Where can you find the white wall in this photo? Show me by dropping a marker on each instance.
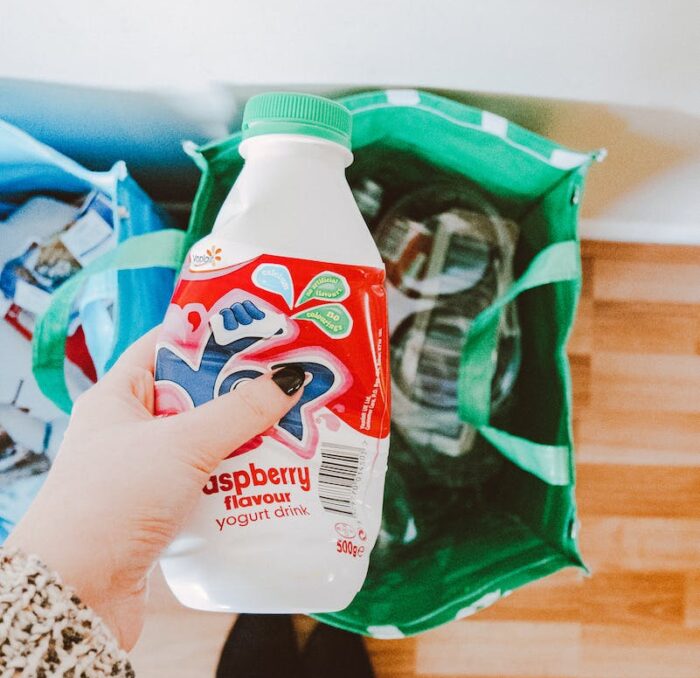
(640, 52)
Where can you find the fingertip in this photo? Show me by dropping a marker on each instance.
(211, 431)
(289, 378)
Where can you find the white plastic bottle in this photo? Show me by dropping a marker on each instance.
(289, 274)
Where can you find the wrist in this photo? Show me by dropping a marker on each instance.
(45, 532)
(80, 569)
(41, 611)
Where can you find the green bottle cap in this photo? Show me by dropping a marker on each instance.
(295, 113)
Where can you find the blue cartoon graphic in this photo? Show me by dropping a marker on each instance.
(235, 329)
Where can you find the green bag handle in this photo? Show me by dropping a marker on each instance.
(159, 249)
(556, 263)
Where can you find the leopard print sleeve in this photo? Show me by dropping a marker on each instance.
(45, 630)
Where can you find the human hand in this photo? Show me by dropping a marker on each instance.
(124, 480)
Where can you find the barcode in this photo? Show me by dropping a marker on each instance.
(338, 477)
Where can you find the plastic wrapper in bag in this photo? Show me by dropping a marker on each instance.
(436, 288)
(448, 255)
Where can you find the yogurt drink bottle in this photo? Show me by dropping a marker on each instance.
(289, 275)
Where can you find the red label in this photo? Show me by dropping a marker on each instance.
(241, 322)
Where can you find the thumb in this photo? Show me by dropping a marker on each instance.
(209, 433)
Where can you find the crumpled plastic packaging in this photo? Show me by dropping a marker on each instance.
(448, 256)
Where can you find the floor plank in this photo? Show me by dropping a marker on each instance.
(643, 327)
(581, 339)
(647, 281)
(640, 544)
(600, 250)
(392, 657)
(692, 598)
(654, 430)
(587, 453)
(617, 598)
(654, 491)
(495, 648)
(634, 652)
(640, 382)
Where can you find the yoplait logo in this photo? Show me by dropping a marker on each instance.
(210, 257)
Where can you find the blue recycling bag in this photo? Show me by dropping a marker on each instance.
(29, 168)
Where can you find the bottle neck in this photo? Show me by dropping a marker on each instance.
(292, 198)
(310, 150)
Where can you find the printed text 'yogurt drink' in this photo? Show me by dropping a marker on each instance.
(289, 274)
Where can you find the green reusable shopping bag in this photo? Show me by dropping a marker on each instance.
(524, 524)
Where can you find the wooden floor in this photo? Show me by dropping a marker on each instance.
(635, 358)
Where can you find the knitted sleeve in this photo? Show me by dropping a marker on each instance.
(46, 631)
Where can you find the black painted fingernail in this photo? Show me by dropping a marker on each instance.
(289, 378)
